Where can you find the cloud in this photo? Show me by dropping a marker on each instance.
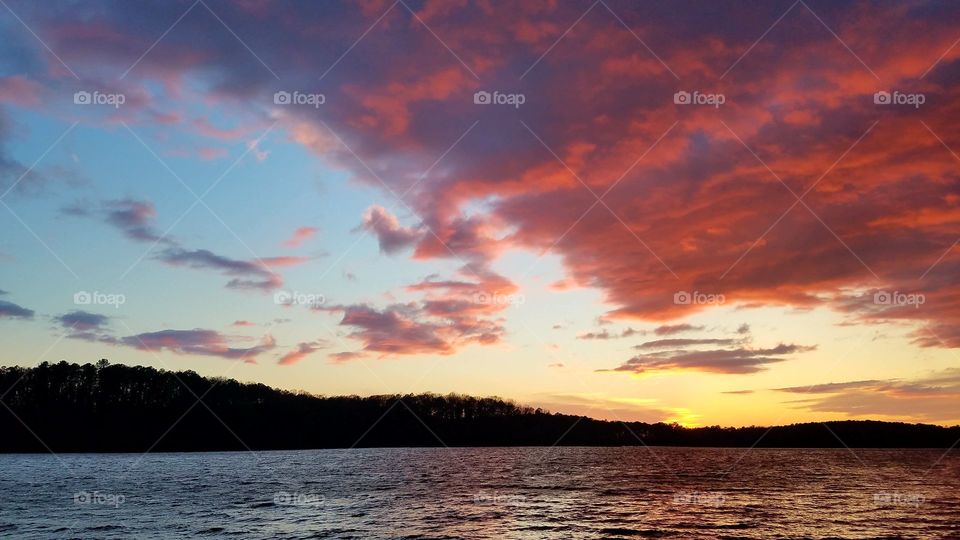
(605, 408)
(134, 218)
(671, 329)
(345, 356)
(205, 128)
(207, 153)
(879, 207)
(392, 236)
(19, 90)
(727, 361)
(302, 351)
(604, 334)
(87, 326)
(934, 397)
(242, 323)
(196, 342)
(9, 310)
(395, 330)
(300, 236)
(663, 343)
(452, 314)
(449, 314)
(14, 176)
(246, 274)
(831, 387)
(82, 321)
(94, 328)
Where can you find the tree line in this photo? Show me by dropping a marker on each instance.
(105, 407)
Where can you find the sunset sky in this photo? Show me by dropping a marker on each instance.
(710, 213)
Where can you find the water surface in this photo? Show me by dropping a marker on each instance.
(523, 493)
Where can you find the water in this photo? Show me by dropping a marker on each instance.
(485, 493)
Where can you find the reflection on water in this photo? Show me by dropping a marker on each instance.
(485, 493)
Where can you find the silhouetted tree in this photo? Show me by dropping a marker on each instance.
(117, 408)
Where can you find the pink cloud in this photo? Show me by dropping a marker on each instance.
(196, 342)
(300, 236)
(392, 236)
(209, 154)
(207, 129)
(302, 351)
(346, 356)
(694, 198)
(20, 91)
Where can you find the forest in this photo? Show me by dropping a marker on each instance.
(104, 407)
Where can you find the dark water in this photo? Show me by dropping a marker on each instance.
(485, 493)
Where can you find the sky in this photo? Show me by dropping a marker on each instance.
(731, 213)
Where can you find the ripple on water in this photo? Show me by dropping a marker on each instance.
(519, 493)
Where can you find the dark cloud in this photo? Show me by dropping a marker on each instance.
(346, 356)
(134, 218)
(663, 343)
(9, 310)
(604, 334)
(452, 313)
(827, 388)
(729, 361)
(196, 342)
(885, 212)
(392, 236)
(931, 398)
(431, 327)
(395, 330)
(42, 176)
(248, 274)
(82, 321)
(13, 174)
(670, 329)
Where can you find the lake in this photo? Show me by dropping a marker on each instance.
(485, 493)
